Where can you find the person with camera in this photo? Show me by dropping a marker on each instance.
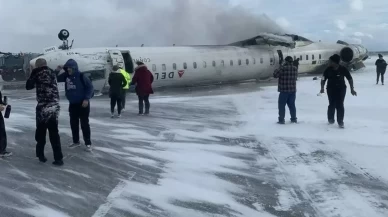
(3, 133)
(47, 110)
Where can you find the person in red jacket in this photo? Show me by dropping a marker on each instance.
(143, 79)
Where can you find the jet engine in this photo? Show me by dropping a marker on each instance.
(353, 53)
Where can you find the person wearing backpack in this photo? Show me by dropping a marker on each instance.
(79, 90)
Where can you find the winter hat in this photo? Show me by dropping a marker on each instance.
(335, 58)
(380, 55)
(289, 59)
(115, 68)
(139, 63)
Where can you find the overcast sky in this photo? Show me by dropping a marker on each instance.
(32, 25)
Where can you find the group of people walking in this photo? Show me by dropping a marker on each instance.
(79, 91)
(335, 75)
(120, 81)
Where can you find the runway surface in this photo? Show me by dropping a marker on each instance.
(206, 152)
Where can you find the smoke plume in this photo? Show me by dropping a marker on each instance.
(127, 23)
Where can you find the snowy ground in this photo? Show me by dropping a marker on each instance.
(216, 155)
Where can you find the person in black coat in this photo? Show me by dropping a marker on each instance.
(381, 67)
(116, 82)
(3, 133)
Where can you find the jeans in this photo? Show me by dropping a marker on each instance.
(146, 101)
(78, 113)
(289, 99)
(336, 98)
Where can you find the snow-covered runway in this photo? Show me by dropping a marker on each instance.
(208, 153)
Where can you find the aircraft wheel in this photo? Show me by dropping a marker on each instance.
(63, 34)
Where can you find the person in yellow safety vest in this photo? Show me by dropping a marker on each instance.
(127, 77)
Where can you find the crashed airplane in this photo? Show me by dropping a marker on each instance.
(177, 66)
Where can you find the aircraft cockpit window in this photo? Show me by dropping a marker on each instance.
(261, 60)
(312, 57)
(222, 63)
(185, 65)
(204, 64)
(174, 66)
(153, 67)
(164, 67)
(247, 61)
(307, 57)
(239, 62)
(195, 65)
(320, 56)
(214, 63)
(231, 62)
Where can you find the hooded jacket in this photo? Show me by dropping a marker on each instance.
(76, 91)
(143, 79)
(116, 82)
(45, 82)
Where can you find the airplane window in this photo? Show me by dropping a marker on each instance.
(222, 63)
(254, 61)
(153, 67)
(271, 60)
(301, 57)
(307, 57)
(195, 65)
(320, 56)
(239, 62)
(247, 61)
(214, 63)
(164, 67)
(261, 60)
(174, 66)
(185, 65)
(312, 57)
(204, 64)
(231, 62)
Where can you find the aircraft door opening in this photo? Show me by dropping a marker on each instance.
(280, 53)
(117, 58)
(271, 57)
(128, 62)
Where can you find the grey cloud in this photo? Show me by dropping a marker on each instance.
(126, 23)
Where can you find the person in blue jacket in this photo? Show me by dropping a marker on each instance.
(79, 90)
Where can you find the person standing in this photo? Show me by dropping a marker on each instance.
(143, 79)
(335, 76)
(287, 75)
(381, 67)
(116, 82)
(3, 132)
(127, 77)
(47, 110)
(79, 90)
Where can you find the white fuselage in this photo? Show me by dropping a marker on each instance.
(194, 65)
